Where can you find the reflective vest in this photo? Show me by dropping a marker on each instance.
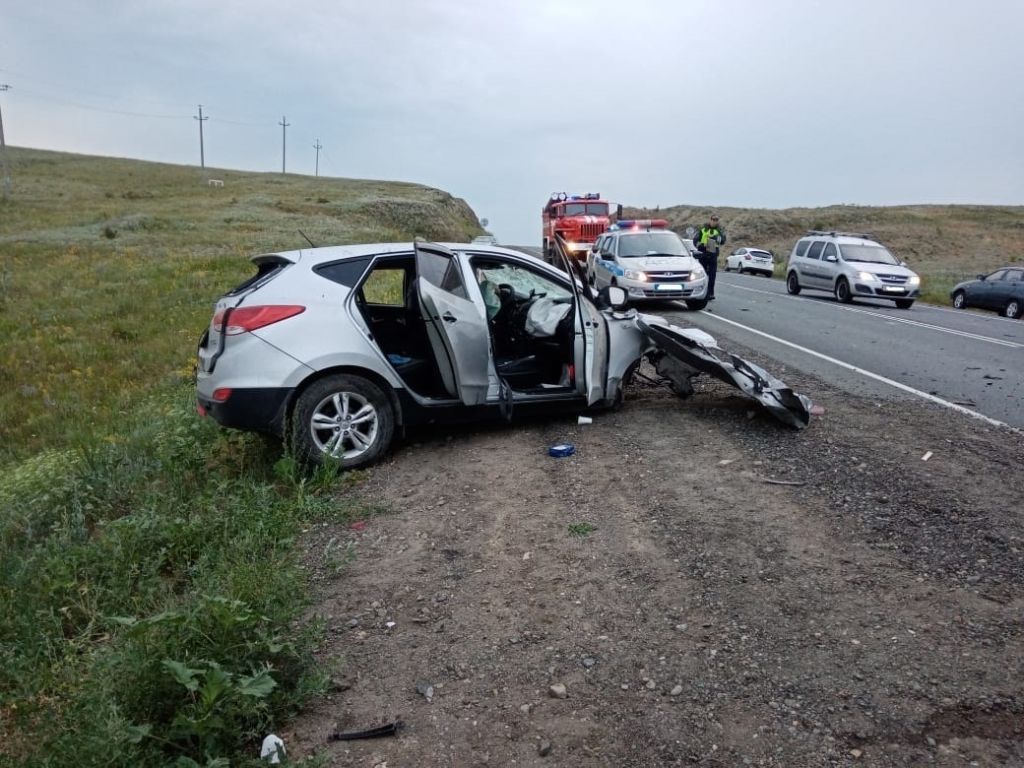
(706, 234)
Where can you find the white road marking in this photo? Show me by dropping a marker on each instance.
(907, 321)
(869, 374)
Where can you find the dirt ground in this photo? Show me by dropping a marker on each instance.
(657, 600)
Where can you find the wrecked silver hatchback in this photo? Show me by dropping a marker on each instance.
(339, 349)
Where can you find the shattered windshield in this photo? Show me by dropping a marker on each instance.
(868, 254)
(651, 244)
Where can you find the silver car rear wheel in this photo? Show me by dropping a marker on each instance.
(342, 418)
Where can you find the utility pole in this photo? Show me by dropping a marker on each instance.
(3, 151)
(318, 146)
(284, 128)
(201, 119)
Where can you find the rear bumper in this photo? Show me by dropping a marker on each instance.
(257, 409)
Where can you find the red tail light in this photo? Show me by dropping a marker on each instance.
(747, 258)
(242, 319)
(221, 394)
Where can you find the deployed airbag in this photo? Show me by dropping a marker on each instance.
(544, 315)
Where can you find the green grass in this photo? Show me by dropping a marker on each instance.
(151, 594)
(581, 529)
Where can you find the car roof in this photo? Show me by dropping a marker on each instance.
(640, 231)
(330, 253)
(843, 239)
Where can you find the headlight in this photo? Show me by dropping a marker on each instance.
(570, 246)
(698, 273)
(640, 277)
(867, 276)
(914, 280)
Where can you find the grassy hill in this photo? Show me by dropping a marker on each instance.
(152, 598)
(943, 243)
(108, 270)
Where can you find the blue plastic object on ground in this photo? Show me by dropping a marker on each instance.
(562, 450)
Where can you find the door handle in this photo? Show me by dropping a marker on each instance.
(448, 317)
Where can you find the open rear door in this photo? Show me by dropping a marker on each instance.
(457, 331)
(594, 330)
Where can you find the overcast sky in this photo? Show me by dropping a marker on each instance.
(650, 102)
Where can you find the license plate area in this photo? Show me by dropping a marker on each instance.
(668, 287)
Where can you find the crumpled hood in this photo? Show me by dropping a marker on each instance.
(689, 352)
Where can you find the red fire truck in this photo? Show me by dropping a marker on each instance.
(578, 219)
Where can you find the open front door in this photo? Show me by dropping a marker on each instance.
(592, 365)
(457, 331)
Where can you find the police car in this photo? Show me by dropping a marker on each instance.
(648, 260)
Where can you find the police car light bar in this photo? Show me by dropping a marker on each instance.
(642, 224)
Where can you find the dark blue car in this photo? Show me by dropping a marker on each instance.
(1003, 291)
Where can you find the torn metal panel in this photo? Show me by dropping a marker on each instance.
(691, 352)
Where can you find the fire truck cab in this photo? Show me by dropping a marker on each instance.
(577, 219)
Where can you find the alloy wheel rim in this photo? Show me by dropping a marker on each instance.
(344, 425)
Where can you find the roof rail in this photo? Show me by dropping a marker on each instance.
(835, 233)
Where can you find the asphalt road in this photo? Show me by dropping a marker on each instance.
(969, 360)
(964, 360)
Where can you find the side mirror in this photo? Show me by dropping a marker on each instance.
(611, 296)
(981, 277)
(616, 296)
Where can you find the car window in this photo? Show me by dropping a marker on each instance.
(762, 254)
(609, 247)
(1015, 274)
(648, 243)
(801, 247)
(442, 271)
(999, 274)
(524, 282)
(868, 254)
(830, 252)
(385, 285)
(739, 252)
(815, 250)
(346, 272)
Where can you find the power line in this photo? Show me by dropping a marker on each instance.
(77, 105)
(318, 146)
(86, 91)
